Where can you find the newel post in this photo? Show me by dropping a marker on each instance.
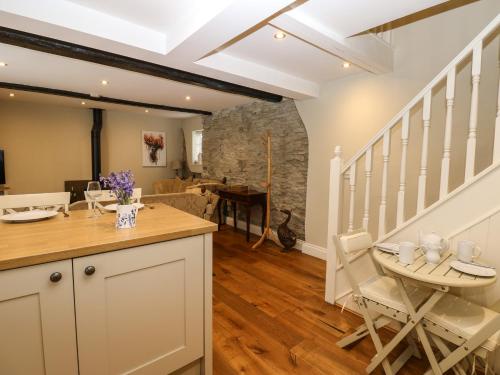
(334, 217)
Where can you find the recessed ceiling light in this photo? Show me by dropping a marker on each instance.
(2, 64)
(346, 64)
(11, 95)
(188, 97)
(83, 103)
(146, 110)
(104, 82)
(279, 35)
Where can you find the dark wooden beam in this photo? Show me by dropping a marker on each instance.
(95, 141)
(104, 99)
(76, 51)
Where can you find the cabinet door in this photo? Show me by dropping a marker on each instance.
(37, 323)
(141, 311)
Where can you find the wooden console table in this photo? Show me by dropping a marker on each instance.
(247, 198)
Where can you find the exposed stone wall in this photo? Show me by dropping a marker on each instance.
(234, 147)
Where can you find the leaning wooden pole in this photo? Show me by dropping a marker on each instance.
(267, 230)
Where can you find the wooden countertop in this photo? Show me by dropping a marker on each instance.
(78, 235)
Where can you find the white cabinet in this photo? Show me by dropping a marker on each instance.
(141, 310)
(37, 323)
(144, 310)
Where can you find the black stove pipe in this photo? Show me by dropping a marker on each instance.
(96, 143)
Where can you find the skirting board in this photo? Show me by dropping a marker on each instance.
(306, 247)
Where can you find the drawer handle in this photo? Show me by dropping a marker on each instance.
(55, 277)
(89, 270)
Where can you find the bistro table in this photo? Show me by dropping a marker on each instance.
(246, 198)
(438, 277)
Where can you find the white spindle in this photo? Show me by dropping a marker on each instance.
(334, 211)
(386, 148)
(352, 190)
(470, 159)
(445, 162)
(402, 173)
(496, 144)
(422, 178)
(368, 177)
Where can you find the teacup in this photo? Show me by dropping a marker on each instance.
(407, 252)
(467, 251)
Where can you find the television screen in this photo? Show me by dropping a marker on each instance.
(2, 168)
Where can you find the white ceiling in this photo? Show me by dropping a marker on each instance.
(311, 63)
(347, 18)
(230, 40)
(62, 73)
(31, 97)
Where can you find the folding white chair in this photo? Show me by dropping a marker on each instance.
(471, 330)
(51, 201)
(459, 329)
(378, 295)
(108, 196)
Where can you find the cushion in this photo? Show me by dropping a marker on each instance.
(384, 290)
(464, 318)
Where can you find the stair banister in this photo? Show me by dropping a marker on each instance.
(400, 211)
(368, 177)
(496, 143)
(470, 156)
(339, 172)
(443, 73)
(386, 150)
(422, 178)
(334, 217)
(445, 162)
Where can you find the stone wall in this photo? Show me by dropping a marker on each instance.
(234, 147)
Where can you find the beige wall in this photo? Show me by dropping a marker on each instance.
(46, 145)
(122, 148)
(350, 111)
(188, 126)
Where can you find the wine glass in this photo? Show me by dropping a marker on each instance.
(94, 192)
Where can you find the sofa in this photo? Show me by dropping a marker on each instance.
(176, 185)
(201, 205)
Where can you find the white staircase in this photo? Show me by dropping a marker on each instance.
(434, 167)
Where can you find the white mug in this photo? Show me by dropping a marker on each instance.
(467, 251)
(407, 252)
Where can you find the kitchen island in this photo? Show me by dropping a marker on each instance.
(78, 296)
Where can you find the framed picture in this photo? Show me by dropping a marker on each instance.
(154, 149)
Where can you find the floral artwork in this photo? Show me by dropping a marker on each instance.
(154, 153)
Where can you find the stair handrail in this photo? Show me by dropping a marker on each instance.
(441, 75)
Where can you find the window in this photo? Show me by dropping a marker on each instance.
(197, 138)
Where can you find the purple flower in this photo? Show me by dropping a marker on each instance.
(121, 184)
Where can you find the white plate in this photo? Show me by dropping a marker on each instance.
(112, 207)
(472, 269)
(388, 247)
(28, 216)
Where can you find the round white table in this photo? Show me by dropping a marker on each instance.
(441, 274)
(439, 278)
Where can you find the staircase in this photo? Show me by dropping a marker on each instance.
(434, 167)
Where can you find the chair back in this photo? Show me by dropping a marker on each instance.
(348, 244)
(53, 201)
(108, 196)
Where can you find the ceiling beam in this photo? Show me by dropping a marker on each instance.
(366, 51)
(80, 52)
(104, 99)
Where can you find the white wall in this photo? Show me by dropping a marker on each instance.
(188, 126)
(350, 111)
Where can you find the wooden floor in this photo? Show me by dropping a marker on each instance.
(270, 316)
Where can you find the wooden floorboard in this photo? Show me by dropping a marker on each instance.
(270, 316)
